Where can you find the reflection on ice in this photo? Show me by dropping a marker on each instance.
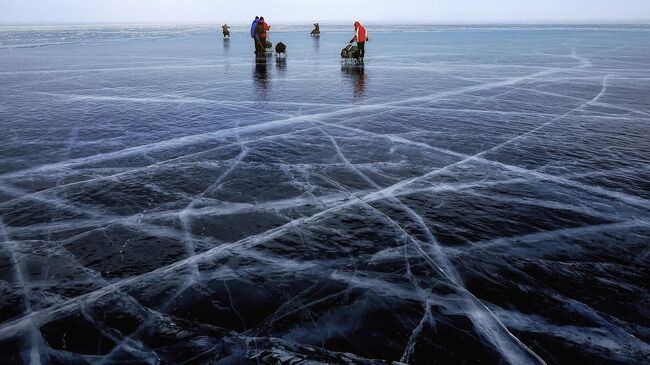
(357, 77)
(281, 65)
(261, 77)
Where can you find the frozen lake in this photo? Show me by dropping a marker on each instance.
(472, 195)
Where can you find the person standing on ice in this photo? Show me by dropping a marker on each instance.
(361, 37)
(261, 34)
(226, 30)
(253, 26)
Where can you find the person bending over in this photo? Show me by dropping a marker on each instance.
(361, 37)
(316, 30)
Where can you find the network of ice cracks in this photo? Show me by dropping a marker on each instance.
(360, 233)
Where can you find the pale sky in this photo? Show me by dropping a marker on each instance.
(305, 11)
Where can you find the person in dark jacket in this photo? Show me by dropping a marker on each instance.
(316, 31)
(257, 19)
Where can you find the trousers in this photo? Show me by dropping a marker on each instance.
(362, 49)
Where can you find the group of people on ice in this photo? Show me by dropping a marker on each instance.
(260, 34)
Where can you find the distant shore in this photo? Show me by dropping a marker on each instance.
(338, 26)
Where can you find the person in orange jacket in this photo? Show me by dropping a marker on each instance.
(361, 37)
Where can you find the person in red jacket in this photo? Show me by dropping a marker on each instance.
(361, 37)
(265, 28)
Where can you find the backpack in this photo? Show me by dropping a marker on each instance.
(280, 48)
(350, 52)
(268, 45)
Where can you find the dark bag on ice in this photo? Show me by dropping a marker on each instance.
(268, 45)
(350, 52)
(280, 48)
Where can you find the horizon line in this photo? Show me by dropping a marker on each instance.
(343, 22)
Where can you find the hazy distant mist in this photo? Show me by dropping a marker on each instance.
(389, 11)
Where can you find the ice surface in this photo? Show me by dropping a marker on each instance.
(472, 195)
